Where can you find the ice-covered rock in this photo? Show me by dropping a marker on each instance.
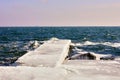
(35, 44)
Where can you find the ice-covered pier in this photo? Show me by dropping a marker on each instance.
(47, 62)
(51, 54)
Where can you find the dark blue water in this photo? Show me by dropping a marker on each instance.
(79, 34)
(103, 40)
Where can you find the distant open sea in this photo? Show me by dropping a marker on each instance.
(15, 41)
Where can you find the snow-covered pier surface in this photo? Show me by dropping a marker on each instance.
(71, 70)
(51, 54)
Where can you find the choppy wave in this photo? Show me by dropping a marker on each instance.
(99, 47)
(11, 51)
(117, 45)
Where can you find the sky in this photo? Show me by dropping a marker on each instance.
(59, 12)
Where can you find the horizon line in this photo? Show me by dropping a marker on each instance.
(64, 26)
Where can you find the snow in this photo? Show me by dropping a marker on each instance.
(46, 63)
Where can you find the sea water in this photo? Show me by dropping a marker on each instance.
(16, 41)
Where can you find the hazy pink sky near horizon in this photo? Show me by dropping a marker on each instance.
(59, 12)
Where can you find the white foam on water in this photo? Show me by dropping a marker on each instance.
(112, 44)
(116, 45)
